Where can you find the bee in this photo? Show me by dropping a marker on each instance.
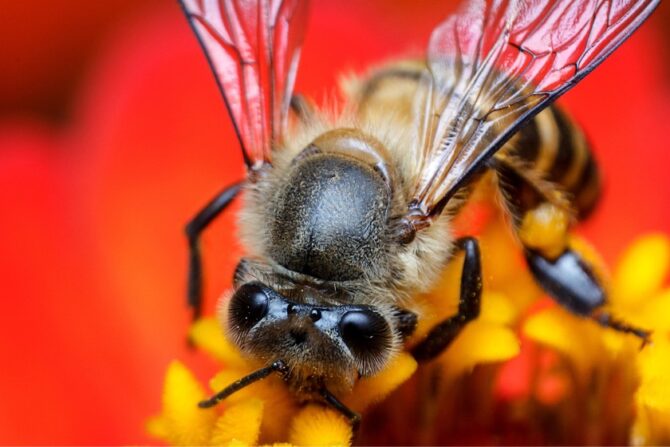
(347, 218)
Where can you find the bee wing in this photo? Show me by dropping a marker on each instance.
(253, 48)
(496, 64)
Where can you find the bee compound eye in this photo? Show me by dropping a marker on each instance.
(248, 306)
(365, 332)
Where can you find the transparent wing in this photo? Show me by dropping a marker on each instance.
(253, 48)
(496, 64)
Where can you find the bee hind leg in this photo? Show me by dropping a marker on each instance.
(570, 281)
(193, 229)
(542, 217)
(441, 336)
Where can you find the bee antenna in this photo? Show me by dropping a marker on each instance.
(277, 366)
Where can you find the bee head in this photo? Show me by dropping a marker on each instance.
(331, 342)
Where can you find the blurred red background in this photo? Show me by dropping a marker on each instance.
(113, 134)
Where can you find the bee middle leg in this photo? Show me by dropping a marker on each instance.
(542, 221)
(441, 336)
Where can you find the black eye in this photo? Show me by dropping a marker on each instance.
(248, 306)
(365, 332)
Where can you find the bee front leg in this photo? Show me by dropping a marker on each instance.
(353, 417)
(441, 336)
(193, 229)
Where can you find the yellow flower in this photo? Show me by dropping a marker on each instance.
(639, 292)
(623, 372)
(572, 381)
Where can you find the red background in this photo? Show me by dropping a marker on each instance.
(112, 135)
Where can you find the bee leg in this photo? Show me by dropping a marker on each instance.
(193, 230)
(334, 402)
(542, 220)
(444, 333)
(570, 281)
(607, 320)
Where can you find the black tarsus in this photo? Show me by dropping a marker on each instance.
(606, 319)
(334, 402)
(277, 366)
(193, 229)
(441, 336)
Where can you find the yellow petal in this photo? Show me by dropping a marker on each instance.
(443, 298)
(316, 425)
(497, 308)
(480, 342)
(576, 338)
(502, 260)
(240, 423)
(654, 314)
(521, 291)
(234, 443)
(642, 270)
(651, 427)
(183, 422)
(276, 398)
(652, 424)
(280, 406)
(654, 368)
(208, 335)
(373, 389)
(441, 302)
(157, 427)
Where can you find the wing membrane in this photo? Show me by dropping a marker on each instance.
(253, 48)
(496, 64)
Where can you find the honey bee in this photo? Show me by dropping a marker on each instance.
(347, 218)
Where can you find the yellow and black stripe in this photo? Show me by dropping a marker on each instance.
(555, 149)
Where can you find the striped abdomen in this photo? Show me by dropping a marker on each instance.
(556, 150)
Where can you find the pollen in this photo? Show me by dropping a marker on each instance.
(240, 423)
(370, 390)
(182, 422)
(545, 229)
(318, 426)
(642, 270)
